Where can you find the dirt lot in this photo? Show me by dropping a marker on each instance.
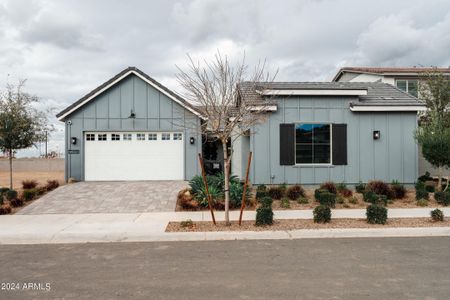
(305, 224)
(40, 177)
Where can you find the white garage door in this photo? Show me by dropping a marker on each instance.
(134, 156)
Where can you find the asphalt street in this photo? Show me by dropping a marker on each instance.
(364, 268)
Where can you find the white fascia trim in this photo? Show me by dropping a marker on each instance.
(118, 80)
(388, 108)
(334, 92)
(263, 107)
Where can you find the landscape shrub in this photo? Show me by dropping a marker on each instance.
(5, 209)
(346, 193)
(302, 200)
(276, 192)
(376, 214)
(3, 191)
(317, 193)
(380, 188)
(283, 187)
(295, 191)
(398, 190)
(340, 199)
(187, 224)
(261, 187)
(198, 190)
(186, 200)
(425, 177)
(353, 200)
(261, 194)
(442, 198)
(236, 191)
(266, 201)
(29, 184)
(430, 187)
(360, 187)
(29, 194)
(51, 185)
(420, 185)
(422, 202)
(11, 194)
(422, 194)
(322, 214)
(264, 216)
(40, 190)
(370, 197)
(437, 215)
(328, 199)
(16, 202)
(329, 186)
(285, 203)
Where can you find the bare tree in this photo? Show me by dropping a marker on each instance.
(215, 88)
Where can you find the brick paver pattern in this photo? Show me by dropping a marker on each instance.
(108, 197)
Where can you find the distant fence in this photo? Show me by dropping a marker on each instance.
(33, 164)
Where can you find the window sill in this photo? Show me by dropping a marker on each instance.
(313, 166)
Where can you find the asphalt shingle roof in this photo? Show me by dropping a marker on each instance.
(378, 93)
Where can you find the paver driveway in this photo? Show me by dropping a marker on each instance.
(108, 197)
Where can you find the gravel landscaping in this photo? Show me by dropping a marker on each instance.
(304, 224)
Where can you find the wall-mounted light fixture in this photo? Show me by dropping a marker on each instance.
(132, 115)
(376, 135)
(192, 140)
(73, 140)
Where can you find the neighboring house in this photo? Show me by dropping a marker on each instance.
(133, 128)
(406, 79)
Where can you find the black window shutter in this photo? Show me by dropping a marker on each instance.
(287, 144)
(339, 144)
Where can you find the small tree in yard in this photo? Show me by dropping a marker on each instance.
(433, 134)
(215, 87)
(21, 124)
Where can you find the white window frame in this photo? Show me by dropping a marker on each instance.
(90, 137)
(407, 85)
(295, 146)
(127, 137)
(165, 136)
(102, 137)
(177, 136)
(115, 137)
(152, 136)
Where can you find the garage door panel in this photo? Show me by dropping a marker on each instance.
(135, 159)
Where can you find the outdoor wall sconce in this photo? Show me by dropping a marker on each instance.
(73, 141)
(376, 135)
(192, 140)
(132, 115)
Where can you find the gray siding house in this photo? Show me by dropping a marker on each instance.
(133, 128)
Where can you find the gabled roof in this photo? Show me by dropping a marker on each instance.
(117, 78)
(378, 94)
(390, 71)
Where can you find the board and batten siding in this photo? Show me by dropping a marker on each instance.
(110, 111)
(392, 157)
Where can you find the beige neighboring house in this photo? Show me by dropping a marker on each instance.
(405, 79)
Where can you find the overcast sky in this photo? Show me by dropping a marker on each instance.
(66, 48)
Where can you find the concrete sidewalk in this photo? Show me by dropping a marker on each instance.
(83, 228)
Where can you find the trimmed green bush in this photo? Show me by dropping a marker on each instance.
(442, 198)
(276, 192)
(326, 198)
(430, 188)
(317, 193)
(295, 191)
(422, 202)
(302, 200)
(422, 194)
(3, 191)
(261, 194)
(437, 215)
(11, 195)
(420, 185)
(360, 187)
(264, 216)
(285, 203)
(322, 214)
(266, 201)
(370, 197)
(425, 177)
(29, 194)
(376, 214)
(329, 186)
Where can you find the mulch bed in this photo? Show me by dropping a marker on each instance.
(304, 224)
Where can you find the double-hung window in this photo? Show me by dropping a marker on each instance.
(313, 143)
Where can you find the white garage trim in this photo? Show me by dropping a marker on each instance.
(139, 155)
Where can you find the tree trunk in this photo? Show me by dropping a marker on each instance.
(10, 170)
(227, 182)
